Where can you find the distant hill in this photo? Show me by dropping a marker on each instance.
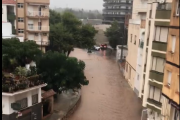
(82, 14)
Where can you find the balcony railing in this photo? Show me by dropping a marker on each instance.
(154, 75)
(38, 28)
(156, 103)
(38, 14)
(161, 46)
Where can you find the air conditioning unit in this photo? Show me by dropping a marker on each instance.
(161, 1)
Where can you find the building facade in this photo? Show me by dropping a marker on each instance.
(154, 56)
(136, 32)
(7, 32)
(33, 21)
(22, 105)
(170, 90)
(116, 10)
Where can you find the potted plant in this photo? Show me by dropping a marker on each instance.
(21, 71)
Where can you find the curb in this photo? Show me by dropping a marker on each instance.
(71, 111)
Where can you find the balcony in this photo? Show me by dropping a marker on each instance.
(118, 4)
(155, 84)
(36, 29)
(36, 2)
(154, 75)
(113, 15)
(161, 46)
(110, 21)
(163, 14)
(154, 108)
(141, 8)
(156, 103)
(38, 14)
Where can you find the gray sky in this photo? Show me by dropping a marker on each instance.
(85, 4)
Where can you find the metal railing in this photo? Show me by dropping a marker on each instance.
(38, 28)
(38, 14)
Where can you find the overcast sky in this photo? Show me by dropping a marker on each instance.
(85, 4)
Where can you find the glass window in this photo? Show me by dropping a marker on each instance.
(177, 8)
(20, 19)
(20, 5)
(35, 99)
(169, 77)
(173, 43)
(20, 31)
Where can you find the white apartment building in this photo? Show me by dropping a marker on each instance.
(136, 32)
(9, 11)
(7, 32)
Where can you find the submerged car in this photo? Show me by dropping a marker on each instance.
(103, 46)
(97, 47)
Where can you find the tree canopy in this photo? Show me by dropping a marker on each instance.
(69, 32)
(115, 34)
(14, 51)
(67, 73)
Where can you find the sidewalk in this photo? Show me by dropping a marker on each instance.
(63, 104)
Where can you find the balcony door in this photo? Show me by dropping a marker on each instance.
(40, 11)
(39, 25)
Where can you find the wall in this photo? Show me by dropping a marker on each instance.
(7, 100)
(6, 29)
(4, 13)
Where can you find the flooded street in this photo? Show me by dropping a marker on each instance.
(108, 95)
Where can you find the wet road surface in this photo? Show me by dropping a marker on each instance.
(108, 95)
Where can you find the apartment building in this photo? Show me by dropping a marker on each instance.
(170, 89)
(33, 21)
(136, 32)
(9, 13)
(154, 56)
(116, 10)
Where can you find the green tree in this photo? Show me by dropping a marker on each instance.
(19, 53)
(57, 71)
(54, 18)
(114, 34)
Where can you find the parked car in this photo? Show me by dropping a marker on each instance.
(103, 46)
(97, 47)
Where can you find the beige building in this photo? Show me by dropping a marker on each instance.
(170, 90)
(32, 18)
(136, 31)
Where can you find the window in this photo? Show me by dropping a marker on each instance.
(34, 99)
(20, 19)
(20, 31)
(23, 103)
(169, 78)
(20, 5)
(30, 26)
(135, 40)
(177, 9)
(2, 10)
(173, 43)
(137, 77)
(158, 64)
(178, 84)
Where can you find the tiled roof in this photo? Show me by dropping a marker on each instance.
(8, 2)
(47, 94)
